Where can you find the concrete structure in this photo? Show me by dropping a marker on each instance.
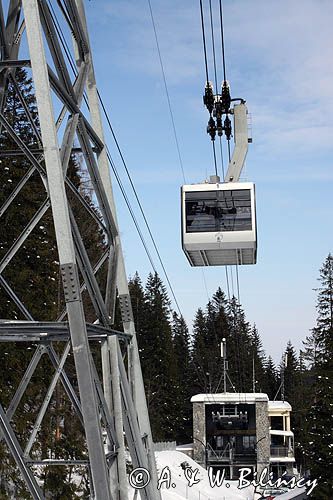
(236, 430)
(281, 438)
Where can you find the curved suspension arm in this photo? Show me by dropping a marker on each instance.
(241, 143)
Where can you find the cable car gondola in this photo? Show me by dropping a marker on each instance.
(219, 223)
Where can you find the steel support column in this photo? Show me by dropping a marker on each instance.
(66, 251)
(119, 406)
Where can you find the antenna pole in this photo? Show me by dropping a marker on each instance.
(285, 362)
(225, 365)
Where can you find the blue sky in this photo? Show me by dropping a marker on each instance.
(278, 57)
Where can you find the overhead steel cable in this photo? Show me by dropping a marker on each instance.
(112, 164)
(237, 278)
(167, 91)
(237, 275)
(224, 77)
(223, 174)
(223, 57)
(211, 126)
(222, 41)
(224, 67)
(206, 67)
(122, 189)
(229, 155)
(227, 279)
(228, 141)
(65, 14)
(61, 34)
(232, 282)
(135, 193)
(222, 160)
(138, 201)
(205, 283)
(204, 40)
(213, 42)
(215, 161)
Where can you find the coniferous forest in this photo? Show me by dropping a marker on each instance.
(177, 362)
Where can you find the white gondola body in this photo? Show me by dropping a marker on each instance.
(219, 223)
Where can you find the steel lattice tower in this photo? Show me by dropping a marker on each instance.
(117, 405)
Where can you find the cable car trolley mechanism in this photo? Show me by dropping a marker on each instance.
(219, 218)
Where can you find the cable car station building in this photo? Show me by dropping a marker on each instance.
(236, 430)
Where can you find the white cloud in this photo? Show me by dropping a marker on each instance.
(276, 58)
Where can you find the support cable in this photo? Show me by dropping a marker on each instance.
(207, 75)
(213, 43)
(227, 278)
(237, 279)
(236, 266)
(122, 189)
(204, 40)
(215, 72)
(222, 160)
(214, 154)
(237, 275)
(123, 192)
(223, 174)
(138, 201)
(223, 57)
(60, 33)
(232, 282)
(205, 283)
(222, 42)
(224, 77)
(210, 110)
(65, 14)
(167, 92)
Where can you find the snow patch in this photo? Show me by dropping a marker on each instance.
(200, 491)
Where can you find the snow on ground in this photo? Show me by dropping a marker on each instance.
(300, 492)
(179, 488)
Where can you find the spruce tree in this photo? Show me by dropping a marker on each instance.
(271, 381)
(33, 274)
(139, 308)
(319, 447)
(157, 355)
(297, 394)
(224, 320)
(258, 360)
(209, 329)
(291, 376)
(184, 374)
(199, 354)
(239, 348)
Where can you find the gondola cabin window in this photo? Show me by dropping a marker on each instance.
(219, 223)
(211, 211)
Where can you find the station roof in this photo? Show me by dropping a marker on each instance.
(230, 397)
(279, 405)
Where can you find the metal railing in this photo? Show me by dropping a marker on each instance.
(229, 454)
(282, 451)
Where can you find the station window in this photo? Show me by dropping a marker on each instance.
(277, 423)
(249, 442)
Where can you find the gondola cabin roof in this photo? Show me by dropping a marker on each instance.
(219, 223)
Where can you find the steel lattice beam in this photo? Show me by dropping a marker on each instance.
(119, 403)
